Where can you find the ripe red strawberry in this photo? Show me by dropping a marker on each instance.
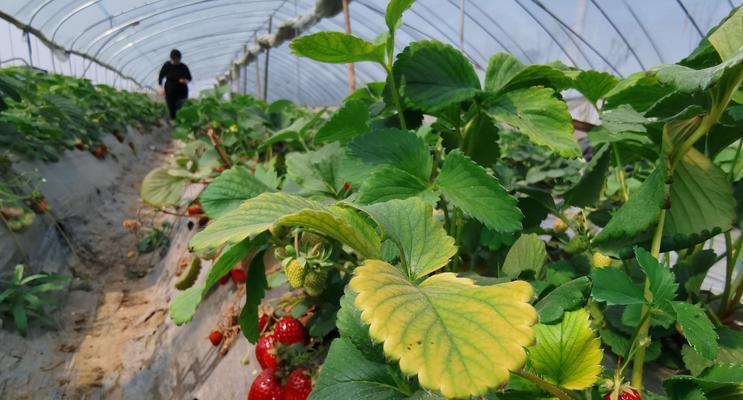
(195, 209)
(219, 168)
(223, 280)
(215, 337)
(346, 185)
(298, 385)
(262, 322)
(100, 151)
(265, 351)
(626, 394)
(266, 386)
(289, 331)
(238, 275)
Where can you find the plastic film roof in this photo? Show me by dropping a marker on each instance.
(135, 36)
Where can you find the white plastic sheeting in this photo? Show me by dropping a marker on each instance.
(134, 37)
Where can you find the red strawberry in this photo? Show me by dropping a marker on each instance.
(289, 331)
(262, 322)
(195, 209)
(219, 168)
(346, 185)
(215, 337)
(223, 280)
(626, 394)
(265, 351)
(238, 275)
(266, 386)
(100, 151)
(298, 385)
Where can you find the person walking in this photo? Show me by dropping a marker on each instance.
(176, 76)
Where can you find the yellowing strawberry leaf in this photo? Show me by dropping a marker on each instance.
(567, 354)
(423, 244)
(434, 75)
(728, 38)
(527, 254)
(228, 190)
(697, 328)
(566, 297)
(251, 218)
(479, 194)
(613, 286)
(161, 189)
(458, 338)
(351, 327)
(336, 47)
(540, 116)
(351, 119)
(389, 182)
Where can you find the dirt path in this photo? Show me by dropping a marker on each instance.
(111, 304)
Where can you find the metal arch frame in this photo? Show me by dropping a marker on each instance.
(580, 37)
(644, 31)
(131, 44)
(69, 15)
(535, 19)
(139, 20)
(146, 16)
(497, 25)
(619, 32)
(688, 15)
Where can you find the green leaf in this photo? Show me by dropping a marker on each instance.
(697, 328)
(566, 297)
(458, 338)
(638, 215)
(594, 85)
(434, 75)
(479, 194)
(389, 182)
(690, 80)
(336, 48)
(228, 190)
(623, 119)
(20, 317)
(731, 351)
(184, 306)
(424, 245)
(251, 218)
(351, 327)
(527, 254)
(613, 286)
(567, 354)
(662, 283)
(720, 382)
(351, 119)
(391, 146)
(395, 9)
(698, 188)
(346, 374)
(505, 73)
(320, 172)
(587, 191)
(728, 38)
(255, 289)
(161, 189)
(638, 90)
(540, 116)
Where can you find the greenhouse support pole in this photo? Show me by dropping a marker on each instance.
(351, 68)
(245, 73)
(257, 72)
(30, 52)
(461, 25)
(265, 66)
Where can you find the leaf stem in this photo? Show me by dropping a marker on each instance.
(549, 387)
(620, 173)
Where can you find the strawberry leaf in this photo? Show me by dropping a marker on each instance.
(337, 48)
(228, 190)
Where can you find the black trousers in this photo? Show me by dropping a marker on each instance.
(174, 104)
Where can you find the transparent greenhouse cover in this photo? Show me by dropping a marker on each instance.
(134, 37)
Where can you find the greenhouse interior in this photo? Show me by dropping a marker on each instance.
(371, 199)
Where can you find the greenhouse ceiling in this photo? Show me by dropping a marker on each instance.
(135, 37)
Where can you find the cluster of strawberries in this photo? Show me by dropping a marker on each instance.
(281, 379)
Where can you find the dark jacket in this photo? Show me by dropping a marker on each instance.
(172, 73)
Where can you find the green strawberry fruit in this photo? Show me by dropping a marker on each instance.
(295, 273)
(314, 282)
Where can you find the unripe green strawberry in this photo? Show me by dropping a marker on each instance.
(314, 281)
(295, 273)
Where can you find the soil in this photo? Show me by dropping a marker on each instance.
(115, 339)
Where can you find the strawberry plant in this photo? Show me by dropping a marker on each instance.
(481, 251)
